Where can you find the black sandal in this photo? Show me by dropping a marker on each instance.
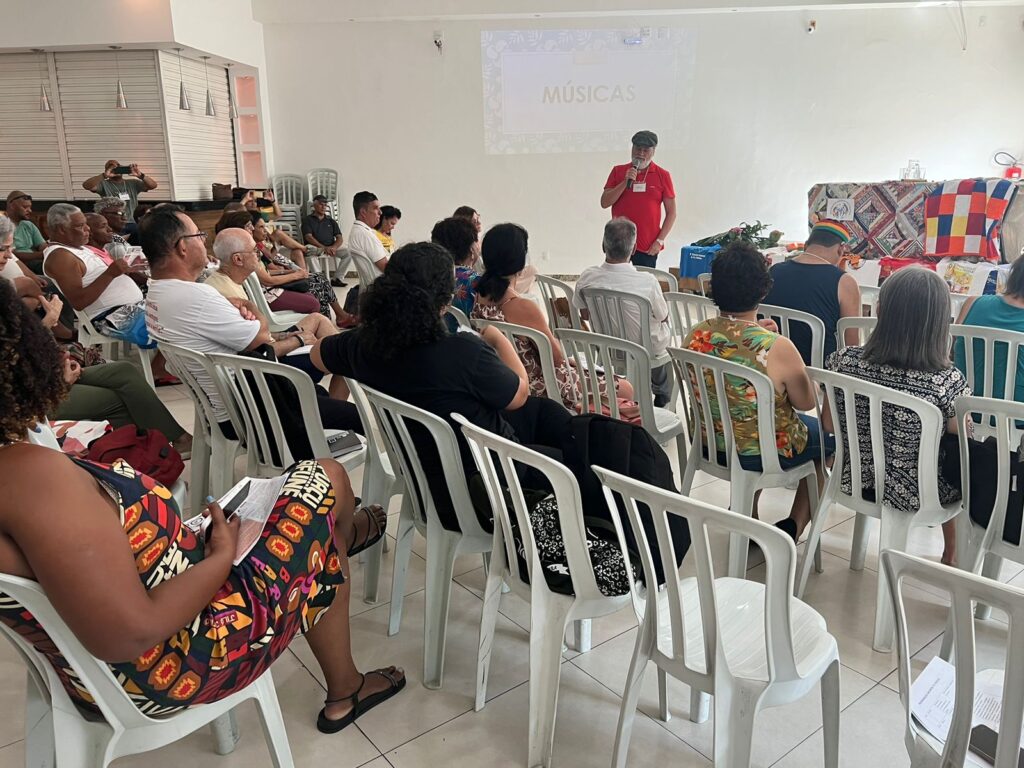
(374, 531)
(325, 724)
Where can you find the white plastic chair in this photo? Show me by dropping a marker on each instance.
(985, 346)
(670, 283)
(704, 283)
(705, 400)
(869, 298)
(540, 342)
(963, 589)
(213, 454)
(686, 310)
(419, 513)
(276, 321)
(785, 317)
(323, 181)
(379, 483)
(58, 734)
(459, 317)
(881, 402)
(289, 189)
(956, 303)
(550, 612)
(749, 645)
(88, 336)
(982, 549)
(624, 316)
(551, 290)
(246, 379)
(864, 325)
(593, 351)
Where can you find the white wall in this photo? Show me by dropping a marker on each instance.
(774, 111)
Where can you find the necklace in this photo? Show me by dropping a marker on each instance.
(822, 259)
(738, 319)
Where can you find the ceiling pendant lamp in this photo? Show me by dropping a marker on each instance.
(182, 93)
(232, 109)
(120, 103)
(210, 111)
(44, 100)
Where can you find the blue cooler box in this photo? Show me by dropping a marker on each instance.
(696, 259)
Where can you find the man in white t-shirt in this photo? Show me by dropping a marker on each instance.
(195, 316)
(617, 273)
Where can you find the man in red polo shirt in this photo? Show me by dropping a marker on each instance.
(637, 190)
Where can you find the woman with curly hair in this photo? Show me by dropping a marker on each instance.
(741, 279)
(404, 349)
(135, 605)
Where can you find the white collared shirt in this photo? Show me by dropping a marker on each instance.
(627, 278)
(363, 240)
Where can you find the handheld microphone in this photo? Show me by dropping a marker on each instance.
(636, 166)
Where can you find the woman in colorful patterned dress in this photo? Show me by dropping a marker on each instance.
(741, 279)
(175, 620)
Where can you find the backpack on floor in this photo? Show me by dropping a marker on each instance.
(147, 451)
(596, 440)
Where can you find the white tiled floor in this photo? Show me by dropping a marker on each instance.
(423, 728)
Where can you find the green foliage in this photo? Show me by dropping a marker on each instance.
(750, 233)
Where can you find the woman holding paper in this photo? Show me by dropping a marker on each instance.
(178, 623)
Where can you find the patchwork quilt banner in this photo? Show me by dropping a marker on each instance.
(962, 218)
(887, 217)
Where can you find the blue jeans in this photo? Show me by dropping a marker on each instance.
(810, 452)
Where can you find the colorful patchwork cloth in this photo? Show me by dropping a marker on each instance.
(887, 218)
(962, 218)
(282, 587)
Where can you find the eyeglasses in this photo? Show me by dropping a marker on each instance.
(201, 235)
(23, 197)
(253, 252)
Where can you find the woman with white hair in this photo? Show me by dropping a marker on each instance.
(909, 352)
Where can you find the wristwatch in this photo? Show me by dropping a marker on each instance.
(659, 241)
(142, 176)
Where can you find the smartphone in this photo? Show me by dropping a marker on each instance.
(983, 742)
(229, 509)
(121, 170)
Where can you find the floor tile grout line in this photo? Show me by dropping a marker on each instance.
(639, 712)
(812, 735)
(470, 711)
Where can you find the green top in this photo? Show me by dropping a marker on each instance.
(748, 344)
(27, 236)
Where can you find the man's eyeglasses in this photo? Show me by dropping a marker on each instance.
(201, 235)
(23, 197)
(253, 252)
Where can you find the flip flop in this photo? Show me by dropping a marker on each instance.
(374, 533)
(325, 724)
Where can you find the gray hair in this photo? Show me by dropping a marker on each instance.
(619, 239)
(59, 215)
(107, 202)
(230, 241)
(6, 228)
(913, 322)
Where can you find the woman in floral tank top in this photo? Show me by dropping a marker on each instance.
(741, 280)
